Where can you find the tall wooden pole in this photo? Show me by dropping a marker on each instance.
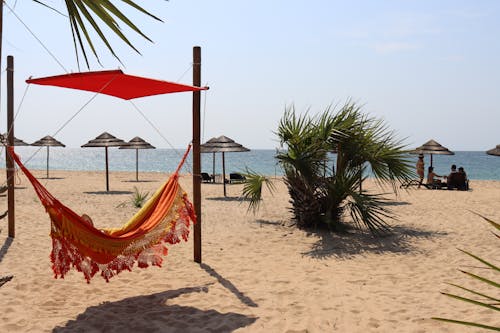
(196, 153)
(10, 142)
(1, 33)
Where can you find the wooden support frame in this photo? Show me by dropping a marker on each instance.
(196, 153)
(195, 141)
(10, 142)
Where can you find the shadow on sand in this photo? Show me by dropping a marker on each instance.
(140, 181)
(51, 178)
(239, 199)
(150, 313)
(348, 244)
(229, 286)
(109, 192)
(5, 247)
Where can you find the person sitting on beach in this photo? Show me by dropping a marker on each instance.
(462, 181)
(420, 169)
(451, 179)
(432, 178)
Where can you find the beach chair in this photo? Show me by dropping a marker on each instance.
(236, 178)
(206, 178)
(416, 182)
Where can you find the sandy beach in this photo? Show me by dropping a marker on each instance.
(259, 274)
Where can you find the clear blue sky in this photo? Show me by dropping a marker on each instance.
(430, 69)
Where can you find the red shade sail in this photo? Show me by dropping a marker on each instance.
(114, 83)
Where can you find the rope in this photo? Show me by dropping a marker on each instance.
(33, 34)
(204, 112)
(158, 131)
(187, 70)
(67, 121)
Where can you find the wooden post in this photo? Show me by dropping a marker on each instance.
(196, 153)
(224, 172)
(10, 142)
(107, 178)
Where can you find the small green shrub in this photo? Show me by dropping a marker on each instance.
(138, 198)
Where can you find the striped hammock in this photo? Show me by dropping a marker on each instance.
(165, 218)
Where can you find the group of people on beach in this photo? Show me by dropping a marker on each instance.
(456, 179)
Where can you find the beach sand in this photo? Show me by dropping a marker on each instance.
(259, 274)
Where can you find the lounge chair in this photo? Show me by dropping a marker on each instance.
(206, 178)
(416, 183)
(236, 178)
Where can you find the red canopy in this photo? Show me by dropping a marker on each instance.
(114, 83)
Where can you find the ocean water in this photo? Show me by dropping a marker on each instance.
(477, 164)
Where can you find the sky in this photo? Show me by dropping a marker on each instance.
(430, 69)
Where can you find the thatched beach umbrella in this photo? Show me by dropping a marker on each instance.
(105, 140)
(137, 143)
(495, 151)
(49, 142)
(223, 145)
(432, 147)
(17, 142)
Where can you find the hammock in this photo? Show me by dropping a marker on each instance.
(165, 218)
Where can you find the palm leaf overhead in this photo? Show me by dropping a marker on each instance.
(84, 16)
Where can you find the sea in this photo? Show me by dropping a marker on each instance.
(477, 164)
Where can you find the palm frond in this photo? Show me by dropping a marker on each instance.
(467, 323)
(252, 188)
(483, 279)
(83, 16)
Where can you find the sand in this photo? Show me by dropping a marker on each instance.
(259, 274)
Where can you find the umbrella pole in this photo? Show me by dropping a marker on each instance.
(224, 172)
(137, 165)
(47, 162)
(107, 178)
(431, 159)
(213, 167)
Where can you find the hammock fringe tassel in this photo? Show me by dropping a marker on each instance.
(76, 243)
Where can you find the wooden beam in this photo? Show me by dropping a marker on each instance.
(10, 142)
(196, 153)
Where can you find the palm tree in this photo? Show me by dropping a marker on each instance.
(82, 13)
(320, 192)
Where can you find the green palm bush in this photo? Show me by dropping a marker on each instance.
(321, 192)
(482, 299)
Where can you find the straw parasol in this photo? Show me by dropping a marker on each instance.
(495, 151)
(105, 140)
(137, 143)
(17, 142)
(49, 142)
(223, 145)
(432, 147)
